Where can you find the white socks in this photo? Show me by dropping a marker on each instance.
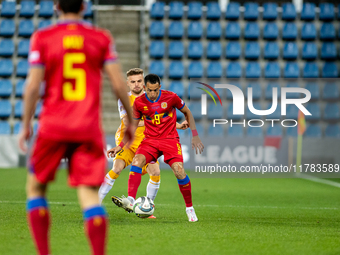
(105, 187)
(152, 189)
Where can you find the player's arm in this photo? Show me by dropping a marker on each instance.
(119, 87)
(196, 141)
(184, 125)
(126, 121)
(31, 97)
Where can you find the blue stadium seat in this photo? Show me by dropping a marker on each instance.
(175, 30)
(232, 31)
(38, 109)
(35, 128)
(6, 88)
(176, 70)
(289, 31)
(20, 88)
(214, 30)
(254, 132)
(194, 92)
(23, 47)
(233, 11)
(275, 130)
(179, 114)
(251, 31)
(26, 28)
(195, 30)
(22, 68)
(234, 70)
(330, 70)
(271, 50)
(46, 9)
(157, 67)
(272, 70)
(257, 91)
(252, 50)
(216, 131)
(292, 112)
(18, 109)
(326, 11)
(288, 11)
(292, 70)
(313, 131)
(8, 9)
(200, 129)
(229, 95)
(309, 51)
(293, 94)
(215, 111)
(176, 10)
(27, 9)
(314, 90)
(175, 50)
(195, 108)
(5, 108)
(327, 31)
(276, 114)
(157, 10)
(88, 13)
(157, 49)
(7, 27)
(195, 70)
(331, 112)
(177, 87)
(333, 131)
(156, 29)
(270, 31)
(268, 93)
(214, 50)
(5, 128)
(290, 51)
(292, 131)
(253, 70)
(330, 92)
(214, 70)
(308, 11)
(233, 50)
(251, 11)
(6, 67)
(17, 127)
(314, 109)
(182, 133)
(44, 23)
(311, 70)
(195, 50)
(308, 31)
(338, 12)
(230, 114)
(235, 131)
(6, 48)
(194, 10)
(213, 11)
(328, 51)
(269, 11)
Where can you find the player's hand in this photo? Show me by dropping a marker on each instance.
(197, 144)
(111, 153)
(24, 135)
(184, 125)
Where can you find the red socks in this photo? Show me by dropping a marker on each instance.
(185, 188)
(135, 179)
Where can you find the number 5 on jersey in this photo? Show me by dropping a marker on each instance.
(78, 92)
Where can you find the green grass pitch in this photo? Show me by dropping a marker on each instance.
(236, 216)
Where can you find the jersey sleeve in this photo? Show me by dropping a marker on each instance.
(136, 113)
(36, 54)
(121, 109)
(110, 54)
(178, 102)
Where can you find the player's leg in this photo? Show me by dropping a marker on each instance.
(135, 176)
(87, 164)
(154, 182)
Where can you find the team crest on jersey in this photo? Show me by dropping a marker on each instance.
(164, 105)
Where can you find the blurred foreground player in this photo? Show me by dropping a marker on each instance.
(69, 57)
(158, 109)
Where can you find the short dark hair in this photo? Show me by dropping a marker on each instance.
(70, 6)
(152, 78)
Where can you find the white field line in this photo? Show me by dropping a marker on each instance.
(172, 205)
(319, 180)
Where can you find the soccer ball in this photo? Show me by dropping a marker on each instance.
(143, 207)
